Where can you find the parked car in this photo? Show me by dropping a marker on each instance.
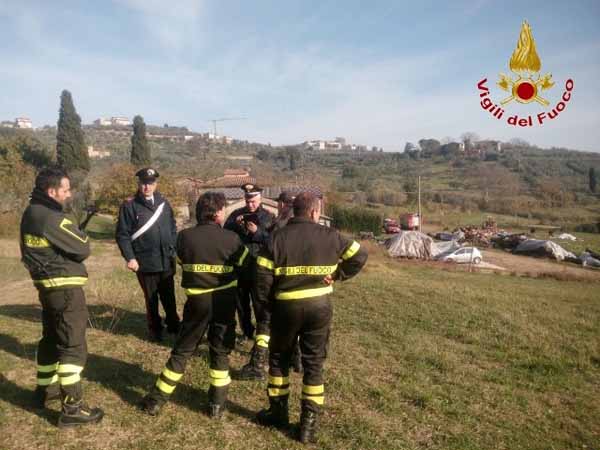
(464, 255)
(390, 226)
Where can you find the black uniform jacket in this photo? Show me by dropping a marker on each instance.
(300, 256)
(255, 241)
(52, 246)
(155, 249)
(212, 258)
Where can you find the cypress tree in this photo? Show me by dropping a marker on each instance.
(592, 180)
(140, 150)
(71, 153)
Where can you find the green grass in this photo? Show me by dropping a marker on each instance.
(584, 240)
(419, 358)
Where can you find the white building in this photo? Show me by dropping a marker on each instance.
(120, 121)
(23, 122)
(102, 122)
(97, 154)
(7, 124)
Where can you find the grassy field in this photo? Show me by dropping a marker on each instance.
(420, 358)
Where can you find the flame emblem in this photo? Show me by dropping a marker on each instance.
(526, 64)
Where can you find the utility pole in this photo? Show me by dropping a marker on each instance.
(419, 200)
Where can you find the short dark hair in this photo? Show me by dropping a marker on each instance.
(304, 203)
(208, 205)
(50, 178)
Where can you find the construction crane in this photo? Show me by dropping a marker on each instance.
(214, 122)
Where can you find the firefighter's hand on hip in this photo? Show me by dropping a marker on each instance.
(328, 280)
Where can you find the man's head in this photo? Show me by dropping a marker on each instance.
(147, 181)
(252, 196)
(307, 205)
(55, 184)
(211, 208)
(285, 202)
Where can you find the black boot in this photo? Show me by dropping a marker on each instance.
(216, 401)
(215, 411)
(75, 413)
(256, 367)
(45, 394)
(151, 404)
(308, 426)
(277, 414)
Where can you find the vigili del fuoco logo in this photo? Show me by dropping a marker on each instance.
(527, 86)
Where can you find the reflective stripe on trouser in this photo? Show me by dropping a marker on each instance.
(46, 374)
(167, 381)
(219, 385)
(314, 394)
(278, 386)
(69, 374)
(262, 340)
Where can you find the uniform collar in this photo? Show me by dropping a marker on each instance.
(39, 197)
(300, 220)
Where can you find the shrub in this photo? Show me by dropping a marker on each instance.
(355, 219)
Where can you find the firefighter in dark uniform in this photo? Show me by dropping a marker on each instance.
(251, 223)
(298, 272)
(212, 259)
(146, 234)
(53, 249)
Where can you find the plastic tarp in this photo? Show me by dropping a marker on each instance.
(567, 237)
(589, 260)
(413, 244)
(534, 247)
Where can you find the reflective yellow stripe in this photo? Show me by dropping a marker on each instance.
(304, 293)
(206, 268)
(305, 270)
(213, 373)
(193, 291)
(313, 390)
(220, 382)
(71, 379)
(48, 368)
(32, 241)
(166, 388)
(264, 262)
(173, 376)
(69, 368)
(262, 340)
(47, 381)
(279, 381)
(351, 250)
(179, 260)
(243, 257)
(276, 392)
(318, 400)
(63, 281)
(63, 226)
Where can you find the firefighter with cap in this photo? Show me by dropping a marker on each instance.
(251, 223)
(298, 272)
(53, 249)
(285, 211)
(146, 234)
(212, 259)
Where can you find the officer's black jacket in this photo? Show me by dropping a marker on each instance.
(211, 257)
(300, 256)
(53, 248)
(155, 249)
(255, 241)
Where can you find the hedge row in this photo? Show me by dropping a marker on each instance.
(356, 219)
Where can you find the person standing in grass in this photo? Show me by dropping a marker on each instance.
(212, 260)
(53, 249)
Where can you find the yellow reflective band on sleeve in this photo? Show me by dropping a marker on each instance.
(319, 400)
(47, 381)
(206, 268)
(313, 390)
(166, 388)
(48, 368)
(262, 340)
(264, 262)
(173, 376)
(243, 257)
(305, 270)
(277, 392)
(71, 379)
(69, 368)
(220, 382)
(194, 291)
(214, 373)
(32, 241)
(304, 293)
(351, 250)
(278, 381)
(62, 281)
(63, 226)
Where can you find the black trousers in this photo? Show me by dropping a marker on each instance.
(309, 319)
(247, 296)
(62, 351)
(157, 285)
(214, 311)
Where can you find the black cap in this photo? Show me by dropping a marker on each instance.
(285, 197)
(147, 174)
(250, 190)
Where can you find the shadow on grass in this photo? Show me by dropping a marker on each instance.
(123, 378)
(23, 399)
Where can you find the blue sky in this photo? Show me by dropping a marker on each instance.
(379, 73)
